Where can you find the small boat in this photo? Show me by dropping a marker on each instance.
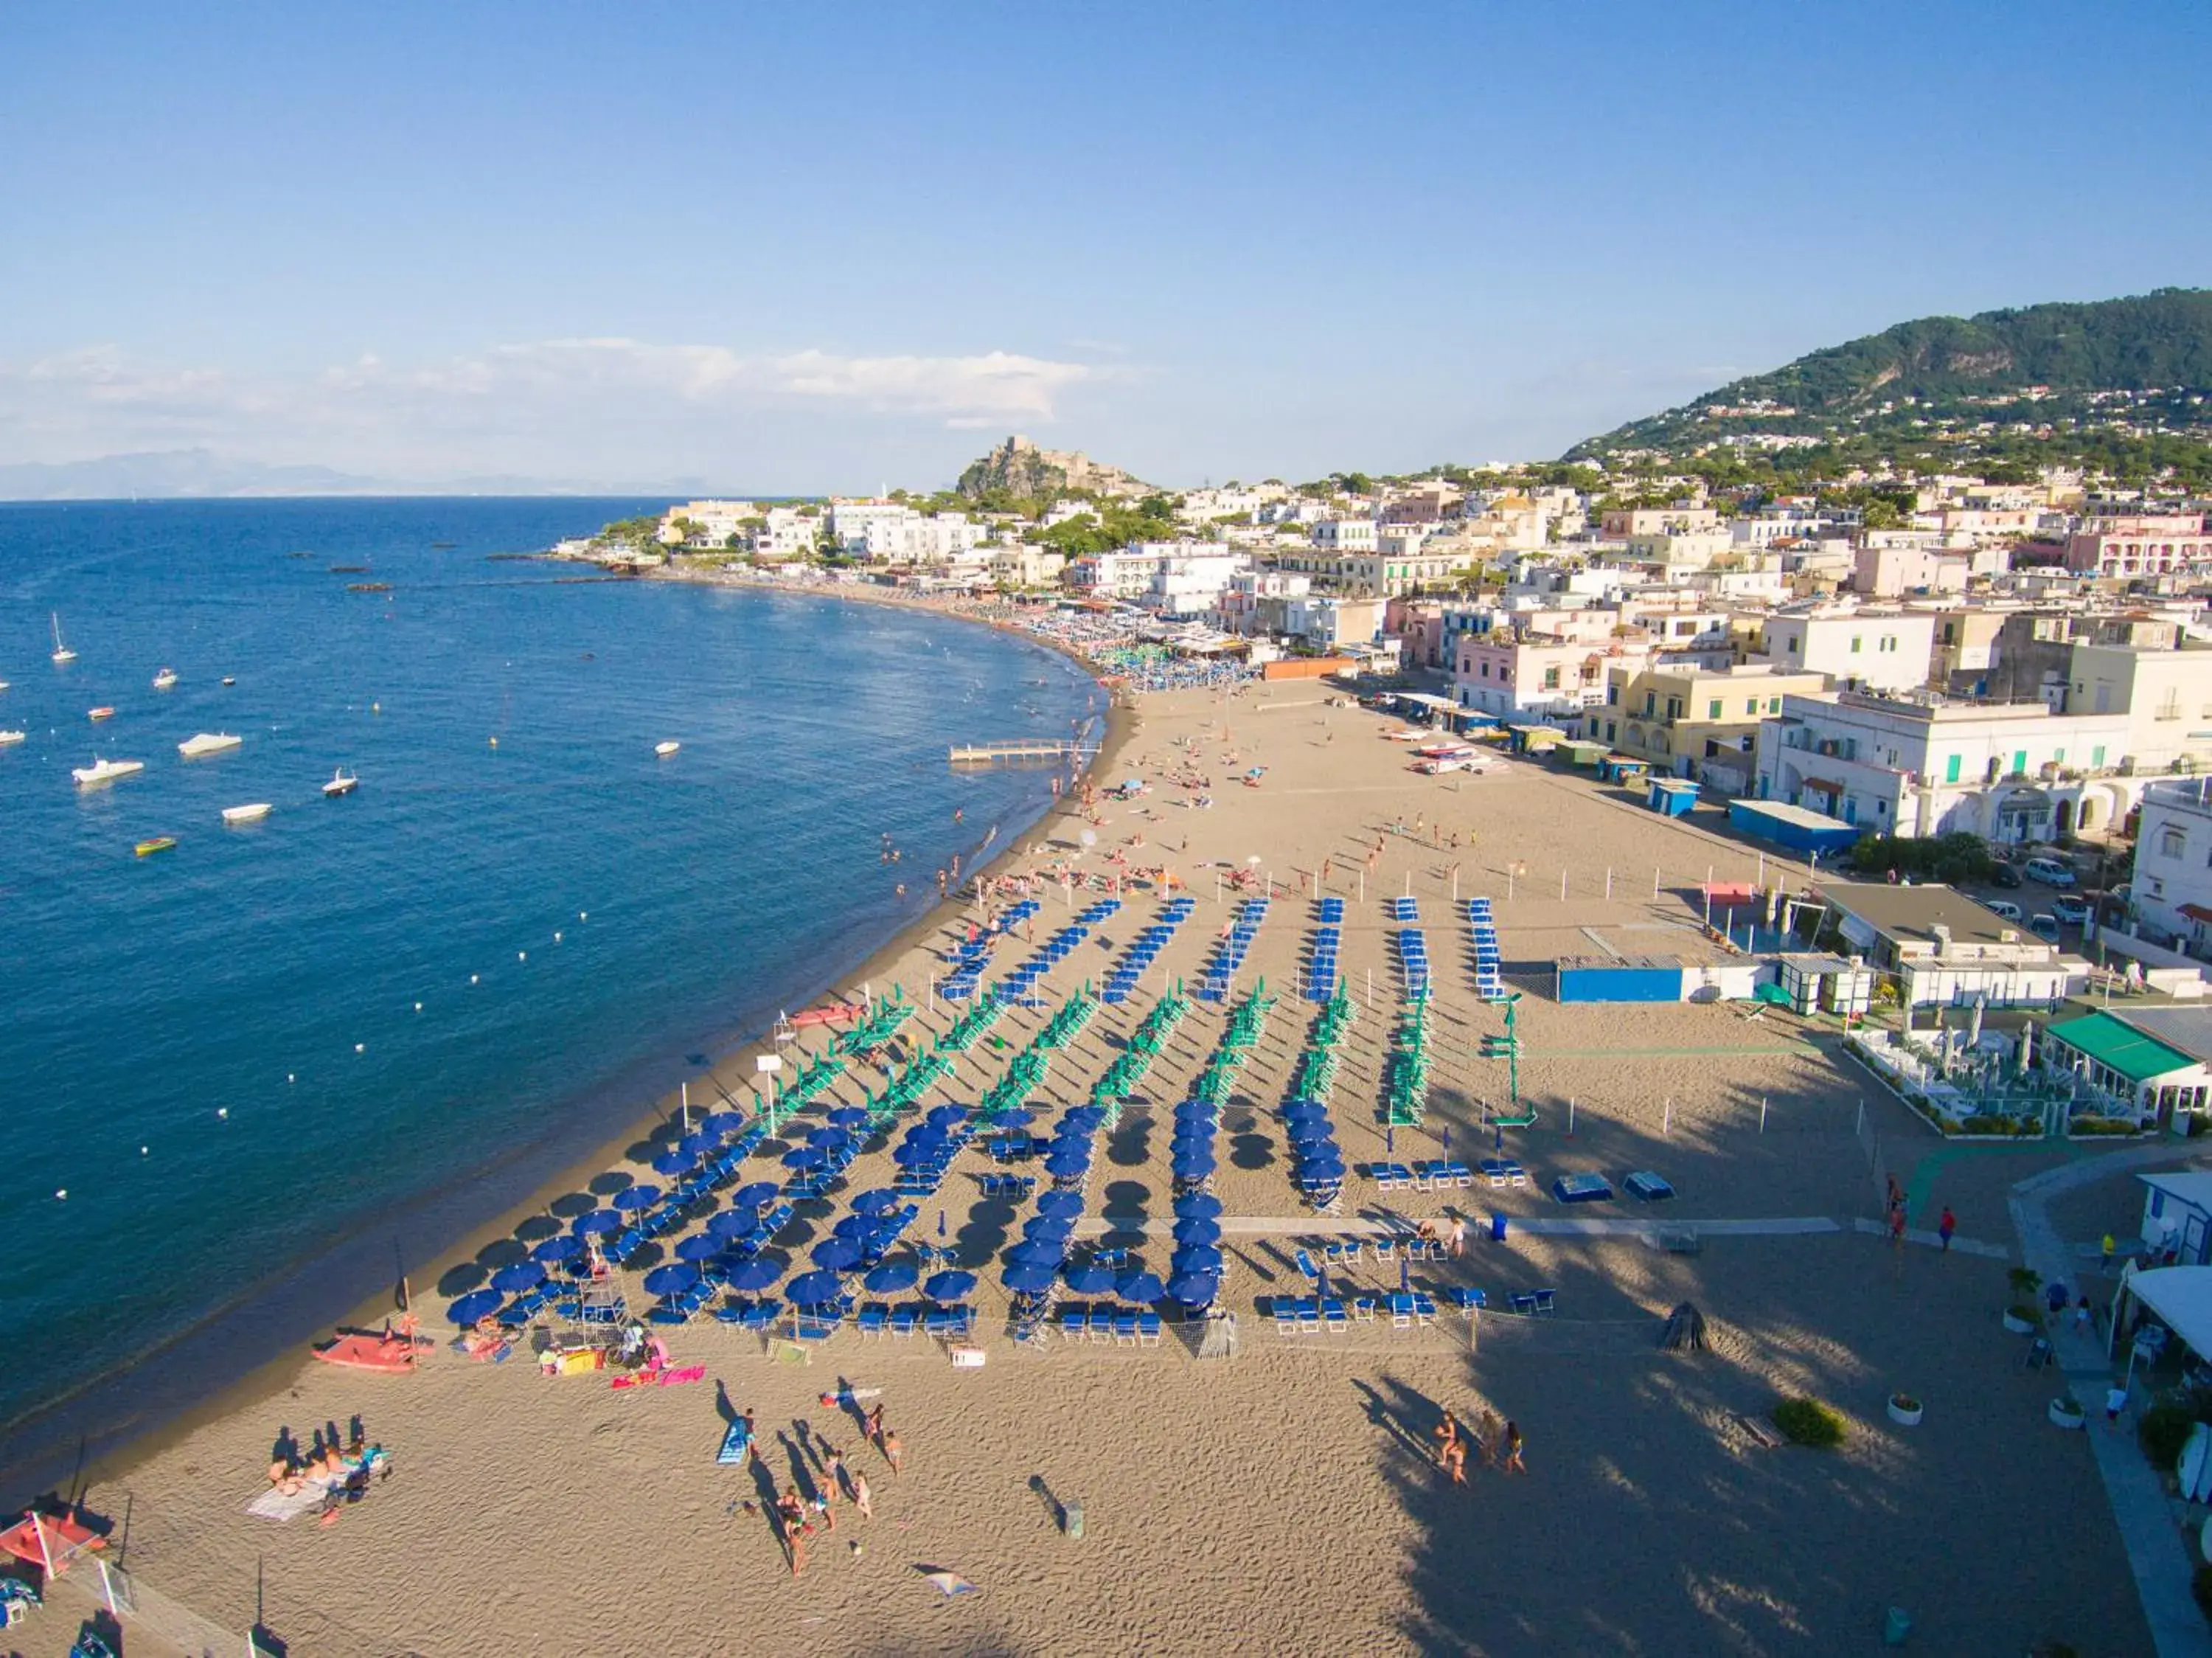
(369, 587)
(62, 652)
(3, 684)
(665, 749)
(252, 813)
(158, 843)
(440, 546)
(340, 783)
(391, 1352)
(348, 569)
(227, 679)
(102, 770)
(7, 738)
(208, 742)
(98, 714)
(166, 679)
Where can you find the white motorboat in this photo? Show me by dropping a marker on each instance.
(208, 742)
(101, 771)
(166, 679)
(665, 749)
(252, 813)
(340, 783)
(62, 652)
(8, 737)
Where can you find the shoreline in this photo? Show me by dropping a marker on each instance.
(104, 1427)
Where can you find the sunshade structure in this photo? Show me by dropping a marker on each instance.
(760, 1193)
(700, 1247)
(733, 1224)
(637, 1196)
(673, 1162)
(836, 1254)
(815, 1289)
(1027, 1280)
(1196, 1288)
(1140, 1287)
(1061, 1202)
(2181, 1296)
(599, 1221)
(49, 1541)
(950, 1286)
(672, 1279)
(876, 1202)
(756, 1274)
(722, 1122)
(1090, 1280)
(1197, 1205)
(555, 1251)
(892, 1277)
(476, 1304)
(515, 1280)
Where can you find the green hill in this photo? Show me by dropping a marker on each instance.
(2125, 384)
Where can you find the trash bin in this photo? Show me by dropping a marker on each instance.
(1498, 1229)
(1895, 1627)
(1071, 1517)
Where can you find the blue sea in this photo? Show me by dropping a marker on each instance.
(520, 931)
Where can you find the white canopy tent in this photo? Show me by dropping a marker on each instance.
(2181, 1296)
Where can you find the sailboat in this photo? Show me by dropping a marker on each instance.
(341, 784)
(166, 679)
(62, 652)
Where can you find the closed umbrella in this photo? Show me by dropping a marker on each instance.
(637, 1196)
(1140, 1287)
(1194, 1205)
(949, 1286)
(672, 1279)
(756, 1274)
(816, 1289)
(836, 1253)
(890, 1278)
(516, 1279)
(477, 1304)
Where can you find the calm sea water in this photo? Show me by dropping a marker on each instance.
(233, 1054)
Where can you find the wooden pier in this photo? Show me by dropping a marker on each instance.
(1028, 751)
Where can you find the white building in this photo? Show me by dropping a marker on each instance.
(2170, 891)
(705, 523)
(1873, 651)
(1193, 583)
(2008, 772)
(786, 533)
(852, 521)
(1343, 535)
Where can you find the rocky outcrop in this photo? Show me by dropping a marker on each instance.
(1020, 468)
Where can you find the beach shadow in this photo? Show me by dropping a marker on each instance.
(1055, 1509)
(1127, 1203)
(459, 1279)
(285, 1448)
(501, 1251)
(1395, 1416)
(570, 1205)
(1251, 1151)
(606, 1186)
(1259, 1268)
(723, 1408)
(983, 1234)
(1130, 1145)
(536, 1228)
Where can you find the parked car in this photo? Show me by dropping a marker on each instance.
(2070, 909)
(2051, 872)
(2003, 906)
(2004, 875)
(2045, 926)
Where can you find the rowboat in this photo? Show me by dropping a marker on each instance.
(158, 843)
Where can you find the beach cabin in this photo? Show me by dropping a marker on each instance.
(1623, 769)
(1797, 827)
(2178, 1215)
(1618, 978)
(1536, 739)
(1671, 797)
(1810, 981)
(2151, 1063)
(1587, 755)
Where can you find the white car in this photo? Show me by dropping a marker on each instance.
(2003, 906)
(2050, 871)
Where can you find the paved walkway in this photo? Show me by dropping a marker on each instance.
(2158, 1552)
(1324, 1226)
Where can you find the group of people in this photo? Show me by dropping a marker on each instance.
(341, 1466)
(799, 1515)
(1499, 1443)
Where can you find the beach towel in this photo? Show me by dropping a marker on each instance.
(951, 1583)
(281, 1506)
(737, 1444)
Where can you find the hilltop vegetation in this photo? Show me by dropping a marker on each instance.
(2123, 386)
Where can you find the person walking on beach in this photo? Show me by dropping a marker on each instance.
(2116, 1400)
(1458, 1235)
(791, 1513)
(1897, 1226)
(1488, 1438)
(876, 1425)
(893, 1454)
(1946, 1226)
(1446, 1434)
(1514, 1445)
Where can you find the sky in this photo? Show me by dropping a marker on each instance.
(806, 248)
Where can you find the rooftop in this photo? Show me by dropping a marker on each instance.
(2187, 1030)
(1914, 913)
(2118, 1047)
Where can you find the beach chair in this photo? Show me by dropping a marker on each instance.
(1524, 1304)
(1309, 1315)
(1125, 1328)
(1386, 1249)
(874, 1319)
(1341, 1251)
(1364, 1307)
(1333, 1315)
(1385, 1176)
(1286, 1316)
(763, 1314)
(1305, 1265)
(904, 1319)
(1148, 1328)
(936, 1322)
(1425, 1309)
(1545, 1301)
(1401, 1310)
(1466, 1299)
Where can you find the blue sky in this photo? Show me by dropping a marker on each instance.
(822, 247)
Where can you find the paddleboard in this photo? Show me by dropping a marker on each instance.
(737, 1444)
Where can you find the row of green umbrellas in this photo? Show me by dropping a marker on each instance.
(1407, 1089)
(1129, 1066)
(1064, 1026)
(972, 1026)
(881, 1024)
(909, 1086)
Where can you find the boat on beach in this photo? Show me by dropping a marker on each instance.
(166, 679)
(665, 749)
(252, 813)
(340, 783)
(208, 742)
(158, 843)
(62, 652)
(391, 1351)
(102, 770)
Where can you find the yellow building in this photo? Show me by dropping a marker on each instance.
(1680, 718)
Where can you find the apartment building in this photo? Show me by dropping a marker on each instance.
(2151, 544)
(2170, 891)
(2167, 695)
(1874, 650)
(1689, 720)
(1510, 673)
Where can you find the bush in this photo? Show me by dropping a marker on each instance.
(2102, 1125)
(1808, 1422)
(1950, 858)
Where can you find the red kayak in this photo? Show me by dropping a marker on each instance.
(828, 1014)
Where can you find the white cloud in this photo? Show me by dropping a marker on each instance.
(540, 406)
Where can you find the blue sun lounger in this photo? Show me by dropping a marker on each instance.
(1582, 1189)
(1647, 1187)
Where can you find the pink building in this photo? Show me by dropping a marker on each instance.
(1506, 673)
(2163, 543)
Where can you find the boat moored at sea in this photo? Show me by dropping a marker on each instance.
(8, 738)
(96, 714)
(340, 783)
(62, 652)
(665, 749)
(102, 770)
(208, 742)
(165, 680)
(252, 813)
(158, 843)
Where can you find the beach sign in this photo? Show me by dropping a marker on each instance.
(768, 1061)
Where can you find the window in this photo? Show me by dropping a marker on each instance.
(1751, 705)
(1551, 679)
(1610, 731)
(2019, 759)
(1651, 703)
(1713, 709)
(2173, 841)
(1613, 696)
(2097, 755)
(1855, 644)
(1774, 704)
(1951, 769)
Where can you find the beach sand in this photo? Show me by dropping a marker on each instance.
(1283, 1500)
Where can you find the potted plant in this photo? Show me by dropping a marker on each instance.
(2024, 1317)
(1905, 1410)
(2066, 1412)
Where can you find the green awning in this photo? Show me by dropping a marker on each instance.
(2118, 1047)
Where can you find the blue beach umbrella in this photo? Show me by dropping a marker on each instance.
(876, 1202)
(701, 1246)
(910, 1155)
(672, 1163)
(1324, 1168)
(515, 1280)
(477, 1304)
(637, 1196)
(949, 1286)
(1140, 1287)
(1196, 1205)
(1198, 1231)
(1306, 1130)
(1089, 1279)
(1065, 1204)
(946, 1117)
(698, 1145)
(838, 1254)
(1389, 1140)
(599, 1221)
(1196, 1258)
(1038, 1251)
(672, 1279)
(722, 1122)
(1196, 1288)
(892, 1277)
(805, 1159)
(757, 1195)
(555, 1251)
(1027, 1280)
(1192, 1165)
(756, 1274)
(733, 1224)
(1049, 1226)
(1068, 1159)
(1014, 1117)
(855, 1226)
(828, 1139)
(1295, 1108)
(815, 1289)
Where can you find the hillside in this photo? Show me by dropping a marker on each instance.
(1019, 471)
(2120, 384)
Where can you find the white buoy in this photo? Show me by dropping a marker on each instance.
(290, 1076)
(376, 708)
(141, 1151)
(63, 1193)
(222, 1110)
(472, 978)
(557, 938)
(418, 1007)
(522, 955)
(583, 915)
(361, 1047)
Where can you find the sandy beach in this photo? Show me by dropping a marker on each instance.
(1284, 1499)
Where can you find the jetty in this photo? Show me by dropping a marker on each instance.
(1022, 751)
